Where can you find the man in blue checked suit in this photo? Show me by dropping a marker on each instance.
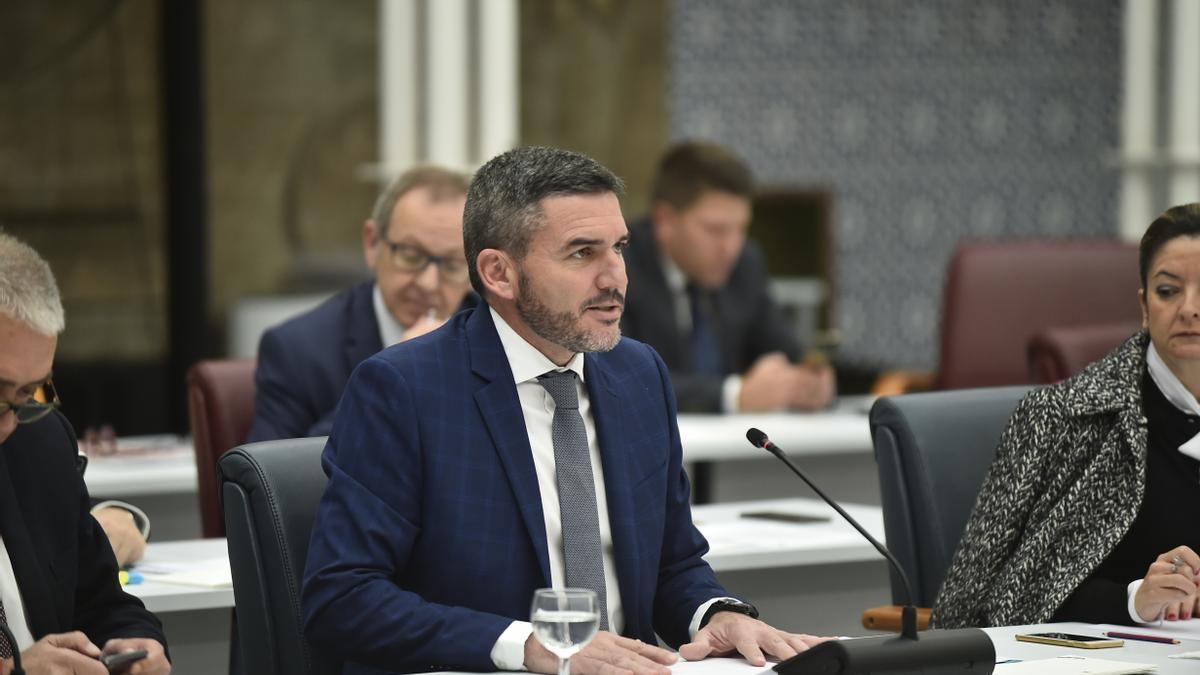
(524, 444)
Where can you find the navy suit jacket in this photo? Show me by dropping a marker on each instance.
(429, 540)
(749, 323)
(304, 362)
(62, 561)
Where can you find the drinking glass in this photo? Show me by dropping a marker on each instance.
(564, 621)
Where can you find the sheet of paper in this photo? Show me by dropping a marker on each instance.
(1183, 630)
(1073, 665)
(718, 666)
(211, 573)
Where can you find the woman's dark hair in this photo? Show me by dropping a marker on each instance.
(1177, 221)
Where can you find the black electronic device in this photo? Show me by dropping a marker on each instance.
(961, 651)
(119, 661)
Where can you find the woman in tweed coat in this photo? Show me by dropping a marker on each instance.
(1091, 509)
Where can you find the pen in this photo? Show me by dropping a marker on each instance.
(1144, 638)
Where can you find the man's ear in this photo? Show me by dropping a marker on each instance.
(498, 273)
(370, 241)
(1145, 310)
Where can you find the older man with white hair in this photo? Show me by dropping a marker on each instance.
(59, 593)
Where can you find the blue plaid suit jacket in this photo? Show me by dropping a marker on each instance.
(429, 540)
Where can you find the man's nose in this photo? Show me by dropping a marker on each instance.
(429, 277)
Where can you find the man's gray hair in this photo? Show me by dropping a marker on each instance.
(442, 183)
(28, 292)
(503, 205)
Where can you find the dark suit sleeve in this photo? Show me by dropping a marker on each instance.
(685, 580)
(279, 412)
(767, 331)
(103, 610)
(698, 393)
(366, 526)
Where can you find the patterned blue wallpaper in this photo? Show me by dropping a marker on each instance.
(928, 120)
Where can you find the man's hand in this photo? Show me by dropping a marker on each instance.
(123, 534)
(155, 663)
(426, 324)
(769, 384)
(727, 632)
(813, 388)
(607, 653)
(61, 654)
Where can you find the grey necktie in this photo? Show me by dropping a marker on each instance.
(6, 650)
(582, 554)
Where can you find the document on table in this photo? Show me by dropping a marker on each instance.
(210, 573)
(1181, 630)
(1073, 665)
(719, 666)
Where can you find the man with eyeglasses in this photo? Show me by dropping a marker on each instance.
(414, 245)
(59, 593)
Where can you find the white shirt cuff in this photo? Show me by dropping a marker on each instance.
(509, 651)
(694, 626)
(139, 516)
(1131, 591)
(731, 391)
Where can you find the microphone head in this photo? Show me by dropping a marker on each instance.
(757, 438)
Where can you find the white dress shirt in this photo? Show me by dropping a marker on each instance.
(537, 406)
(731, 387)
(14, 608)
(390, 330)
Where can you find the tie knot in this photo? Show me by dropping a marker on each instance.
(561, 385)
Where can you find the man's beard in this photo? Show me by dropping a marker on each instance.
(561, 328)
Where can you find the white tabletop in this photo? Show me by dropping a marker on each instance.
(165, 597)
(737, 542)
(1135, 651)
(167, 464)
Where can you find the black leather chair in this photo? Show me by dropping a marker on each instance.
(269, 492)
(932, 451)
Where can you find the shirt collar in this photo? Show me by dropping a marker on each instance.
(526, 362)
(676, 279)
(1174, 391)
(390, 330)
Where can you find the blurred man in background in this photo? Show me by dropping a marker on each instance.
(699, 292)
(59, 593)
(413, 243)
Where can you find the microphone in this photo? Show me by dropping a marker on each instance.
(12, 643)
(964, 650)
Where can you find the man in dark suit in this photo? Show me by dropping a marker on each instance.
(525, 444)
(700, 293)
(413, 244)
(59, 592)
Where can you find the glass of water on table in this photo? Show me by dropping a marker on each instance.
(564, 621)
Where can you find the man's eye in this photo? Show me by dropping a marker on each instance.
(621, 247)
(1165, 291)
(582, 253)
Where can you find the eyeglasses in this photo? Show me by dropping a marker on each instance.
(33, 410)
(409, 258)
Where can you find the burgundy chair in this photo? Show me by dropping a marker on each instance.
(999, 294)
(1060, 352)
(221, 408)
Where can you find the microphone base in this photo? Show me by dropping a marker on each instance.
(966, 650)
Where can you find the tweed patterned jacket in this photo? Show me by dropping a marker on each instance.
(1063, 490)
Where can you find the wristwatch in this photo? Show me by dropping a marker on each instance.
(729, 606)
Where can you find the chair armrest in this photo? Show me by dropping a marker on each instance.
(894, 382)
(887, 617)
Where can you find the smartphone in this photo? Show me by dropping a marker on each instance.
(1071, 640)
(118, 661)
(784, 517)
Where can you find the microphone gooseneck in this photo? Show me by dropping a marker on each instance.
(909, 619)
(966, 650)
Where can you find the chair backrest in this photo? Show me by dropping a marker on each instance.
(998, 294)
(1058, 353)
(270, 492)
(933, 450)
(221, 408)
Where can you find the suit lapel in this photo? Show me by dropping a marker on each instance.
(362, 328)
(500, 408)
(30, 574)
(607, 414)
